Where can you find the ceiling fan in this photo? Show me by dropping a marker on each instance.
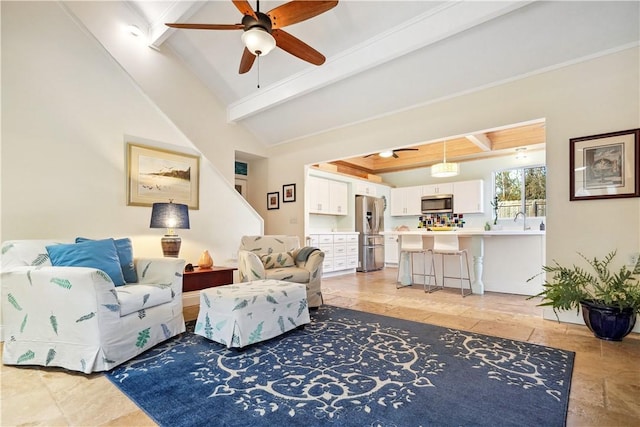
(263, 31)
(391, 153)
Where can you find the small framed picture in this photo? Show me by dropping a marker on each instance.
(273, 200)
(288, 193)
(605, 166)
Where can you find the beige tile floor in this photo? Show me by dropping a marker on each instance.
(605, 388)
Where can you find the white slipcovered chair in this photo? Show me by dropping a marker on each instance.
(76, 318)
(280, 257)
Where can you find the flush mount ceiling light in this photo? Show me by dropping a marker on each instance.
(258, 41)
(521, 153)
(386, 154)
(444, 169)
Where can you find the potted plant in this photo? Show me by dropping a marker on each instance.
(610, 301)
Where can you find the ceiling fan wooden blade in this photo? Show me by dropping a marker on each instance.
(298, 11)
(247, 61)
(207, 26)
(244, 7)
(395, 156)
(297, 47)
(406, 149)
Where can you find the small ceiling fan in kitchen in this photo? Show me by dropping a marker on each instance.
(391, 153)
(263, 31)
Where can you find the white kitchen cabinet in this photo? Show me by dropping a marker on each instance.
(365, 189)
(468, 196)
(391, 249)
(338, 198)
(340, 251)
(406, 201)
(441, 188)
(327, 196)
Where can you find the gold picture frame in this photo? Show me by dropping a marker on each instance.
(160, 175)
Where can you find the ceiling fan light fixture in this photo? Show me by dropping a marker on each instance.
(385, 154)
(258, 41)
(445, 169)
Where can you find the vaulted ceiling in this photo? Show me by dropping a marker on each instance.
(384, 57)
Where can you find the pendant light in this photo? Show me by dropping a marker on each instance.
(444, 169)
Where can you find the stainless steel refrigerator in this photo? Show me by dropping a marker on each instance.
(369, 223)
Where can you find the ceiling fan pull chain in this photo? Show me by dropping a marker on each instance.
(258, 66)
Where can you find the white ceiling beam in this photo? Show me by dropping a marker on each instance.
(481, 141)
(430, 27)
(178, 11)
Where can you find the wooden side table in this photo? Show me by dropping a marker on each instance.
(202, 278)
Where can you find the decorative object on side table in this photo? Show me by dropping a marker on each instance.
(605, 166)
(495, 206)
(288, 193)
(170, 216)
(205, 260)
(610, 301)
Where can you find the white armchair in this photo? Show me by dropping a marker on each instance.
(280, 257)
(76, 318)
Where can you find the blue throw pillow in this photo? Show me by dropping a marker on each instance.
(125, 253)
(100, 254)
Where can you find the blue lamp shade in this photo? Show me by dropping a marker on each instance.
(170, 216)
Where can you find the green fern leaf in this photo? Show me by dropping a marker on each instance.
(24, 323)
(54, 323)
(284, 293)
(86, 317)
(83, 364)
(26, 356)
(208, 331)
(143, 338)
(242, 304)
(287, 277)
(145, 298)
(50, 355)
(256, 334)
(206, 300)
(104, 276)
(255, 274)
(142, 314)
(302, 307)
(271, 299)
(165, 331)
(40, 259)
(12, 300)
(63, 283)
(108, 361)
(178, 274)
(144, 272)
(112, 307)
(29, 277)
(221, 324)
(253, 301)
(6, 248)
(293, 322)
(281, 324)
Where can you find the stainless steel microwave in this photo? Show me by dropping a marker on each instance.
(437, 203)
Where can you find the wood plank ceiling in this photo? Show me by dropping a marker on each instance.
(495, 143)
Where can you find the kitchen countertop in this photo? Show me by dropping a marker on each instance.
(472, 232)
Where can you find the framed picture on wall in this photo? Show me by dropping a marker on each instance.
(605, 166)
(273, 200)
(159, 175)
(288, 193)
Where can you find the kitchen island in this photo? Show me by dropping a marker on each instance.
(501, 260)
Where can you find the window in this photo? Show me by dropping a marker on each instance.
(521, 190)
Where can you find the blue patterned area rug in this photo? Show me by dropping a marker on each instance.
(349, 368)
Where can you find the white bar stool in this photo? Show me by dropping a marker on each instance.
(444, 245)
(411, 245)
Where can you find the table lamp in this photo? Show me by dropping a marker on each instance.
(170, 216)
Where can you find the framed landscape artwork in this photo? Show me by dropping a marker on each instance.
(605, 166)
(159, 175)
(273, 200)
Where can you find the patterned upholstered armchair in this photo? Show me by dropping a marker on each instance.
(280, 257)
(76, 317)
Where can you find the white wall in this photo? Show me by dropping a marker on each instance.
(67, 109)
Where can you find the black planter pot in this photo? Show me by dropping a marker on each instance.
(608, 323)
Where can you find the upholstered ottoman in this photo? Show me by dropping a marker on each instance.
(246, 313)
